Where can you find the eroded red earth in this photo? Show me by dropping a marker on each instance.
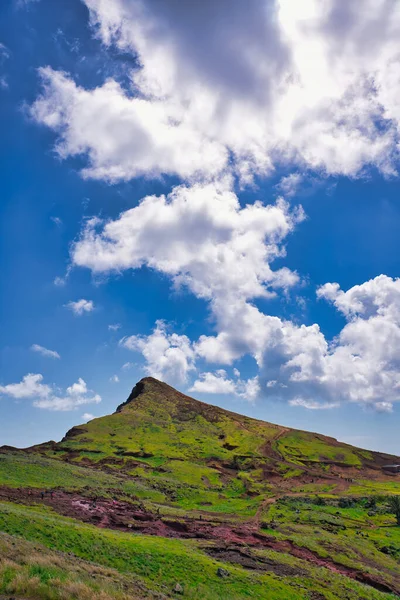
(232, 543)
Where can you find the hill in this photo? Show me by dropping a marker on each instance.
(189, 449)
(178, 497)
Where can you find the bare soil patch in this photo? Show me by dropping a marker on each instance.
(231, 542)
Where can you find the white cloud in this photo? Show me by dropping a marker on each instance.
(289, 185)
(114, 327)
(376, 297)
(297, 364)
(214, 383)
(45, 351)
(114, 379)
(4, 55)
(59, 281)
(57, 221)
(249, 389)
(200, 236)
(360, 365)
(168, 356)
(80, 306)
(137, 137)
(4, 52)
(313, 405)
(204, 240)
(314, 84)
(383, 407)
(30, 386)
(126, 366)
(87, 417)
(77, 389)
(76, 395)
(49, 397)
(219, 383)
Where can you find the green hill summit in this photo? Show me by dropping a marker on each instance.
(182, 446)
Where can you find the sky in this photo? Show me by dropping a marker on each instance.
(207, 193)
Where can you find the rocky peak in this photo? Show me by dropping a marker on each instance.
(146, 385)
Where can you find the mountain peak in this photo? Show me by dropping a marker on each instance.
(146, 385)
(159, 422)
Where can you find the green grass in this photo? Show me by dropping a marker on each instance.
(176, 451)
(30, 570)
(298, 445)
(30, 470)
(375, 487)
(183, 457)
(160, 427)
(154, 429)
(160, 563)
(352, 536)
(34, 471)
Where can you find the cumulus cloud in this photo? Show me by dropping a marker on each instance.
(80, 306)
(376, 297)
(169, 356)
(299, 365)
(289, 185)
(219, 383)
(214, 383)
(235, 86)
(314, 85)
(30, 386)
(76, 395)
(114, 379)
(50, 397)
(203, 239)
(360, 365)
(114, 327)
(87, 417)
(45, 351)
(200, 236)
(136, 138)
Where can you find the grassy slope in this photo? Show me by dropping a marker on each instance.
(163, 425)
(182, 456)
(160, 563)
(346, 530)
(196, 455)
(32, 570)
(35, 471)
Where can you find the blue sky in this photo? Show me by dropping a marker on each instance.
(200, 184)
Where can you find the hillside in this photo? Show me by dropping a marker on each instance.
(189, 449)
(170, 496)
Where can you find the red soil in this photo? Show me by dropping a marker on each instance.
(228, 538)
